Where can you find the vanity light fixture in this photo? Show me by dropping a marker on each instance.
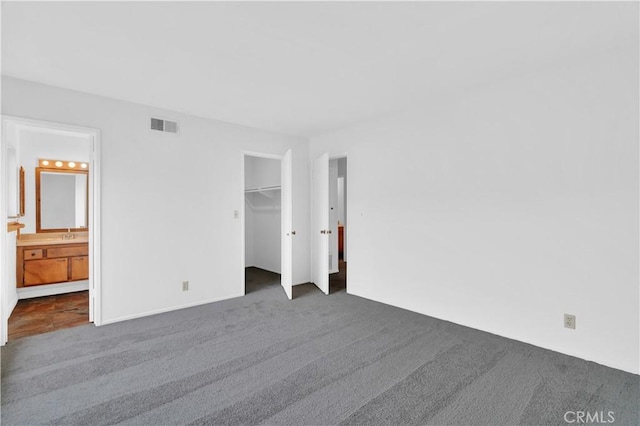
(61, 164)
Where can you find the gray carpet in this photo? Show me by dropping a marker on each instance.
(262, 359)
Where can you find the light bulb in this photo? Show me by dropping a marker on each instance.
(83, 165)
(45, 163)
(58, 163)
(72, 164)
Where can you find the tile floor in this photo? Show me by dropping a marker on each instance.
(44, 314)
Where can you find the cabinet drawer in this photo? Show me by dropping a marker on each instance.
(45, 271)
(68, 251)
(33, 254)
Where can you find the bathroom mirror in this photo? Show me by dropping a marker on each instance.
(61, 200)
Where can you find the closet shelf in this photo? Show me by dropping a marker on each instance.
(266, 188)
(265, 193)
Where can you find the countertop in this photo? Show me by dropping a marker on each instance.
(26, 240)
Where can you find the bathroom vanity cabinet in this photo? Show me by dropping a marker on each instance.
(39, 264)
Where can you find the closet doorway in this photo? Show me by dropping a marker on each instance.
(267, 230)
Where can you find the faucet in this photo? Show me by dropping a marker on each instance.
(69, 235)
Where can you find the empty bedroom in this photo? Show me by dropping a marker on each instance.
(321, 213)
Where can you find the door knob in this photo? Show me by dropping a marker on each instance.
(323, 232)
(293, 232)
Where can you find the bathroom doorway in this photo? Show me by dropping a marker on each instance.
(50, 265)
(329, 223)
(267, 233)
(338, 224)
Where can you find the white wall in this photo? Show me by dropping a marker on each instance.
(167, 201)
(261, 172)
(248, 234)
(12, 173)
(267, 235)
(33, 145)
(80, 201)
(507, 206)
(263, 214)
(10, 277)
(341, 214)
(9, 292)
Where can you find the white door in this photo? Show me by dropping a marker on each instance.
(286, 228)
(333, 216)
(92, 239)
(320, 228)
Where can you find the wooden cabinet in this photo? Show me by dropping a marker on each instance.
(33, 254)
(54, 263)
(79, 268)
(45, 271)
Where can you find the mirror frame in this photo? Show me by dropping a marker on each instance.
(39, 229)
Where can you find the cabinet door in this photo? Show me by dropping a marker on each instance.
(79, 268)
(45, 271)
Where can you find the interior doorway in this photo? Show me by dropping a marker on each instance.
(50, 183)
(329, 222)
(267, 213)
(338, 221)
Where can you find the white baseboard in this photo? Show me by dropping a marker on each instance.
(172, 308)
(51, 289)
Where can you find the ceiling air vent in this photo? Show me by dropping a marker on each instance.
(164, 125)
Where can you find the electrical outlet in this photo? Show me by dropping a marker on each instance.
(185, 285)
(570, 321)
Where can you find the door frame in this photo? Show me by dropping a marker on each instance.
(243, 156)
(95, 283)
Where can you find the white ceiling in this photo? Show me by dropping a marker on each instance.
(301, 68)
